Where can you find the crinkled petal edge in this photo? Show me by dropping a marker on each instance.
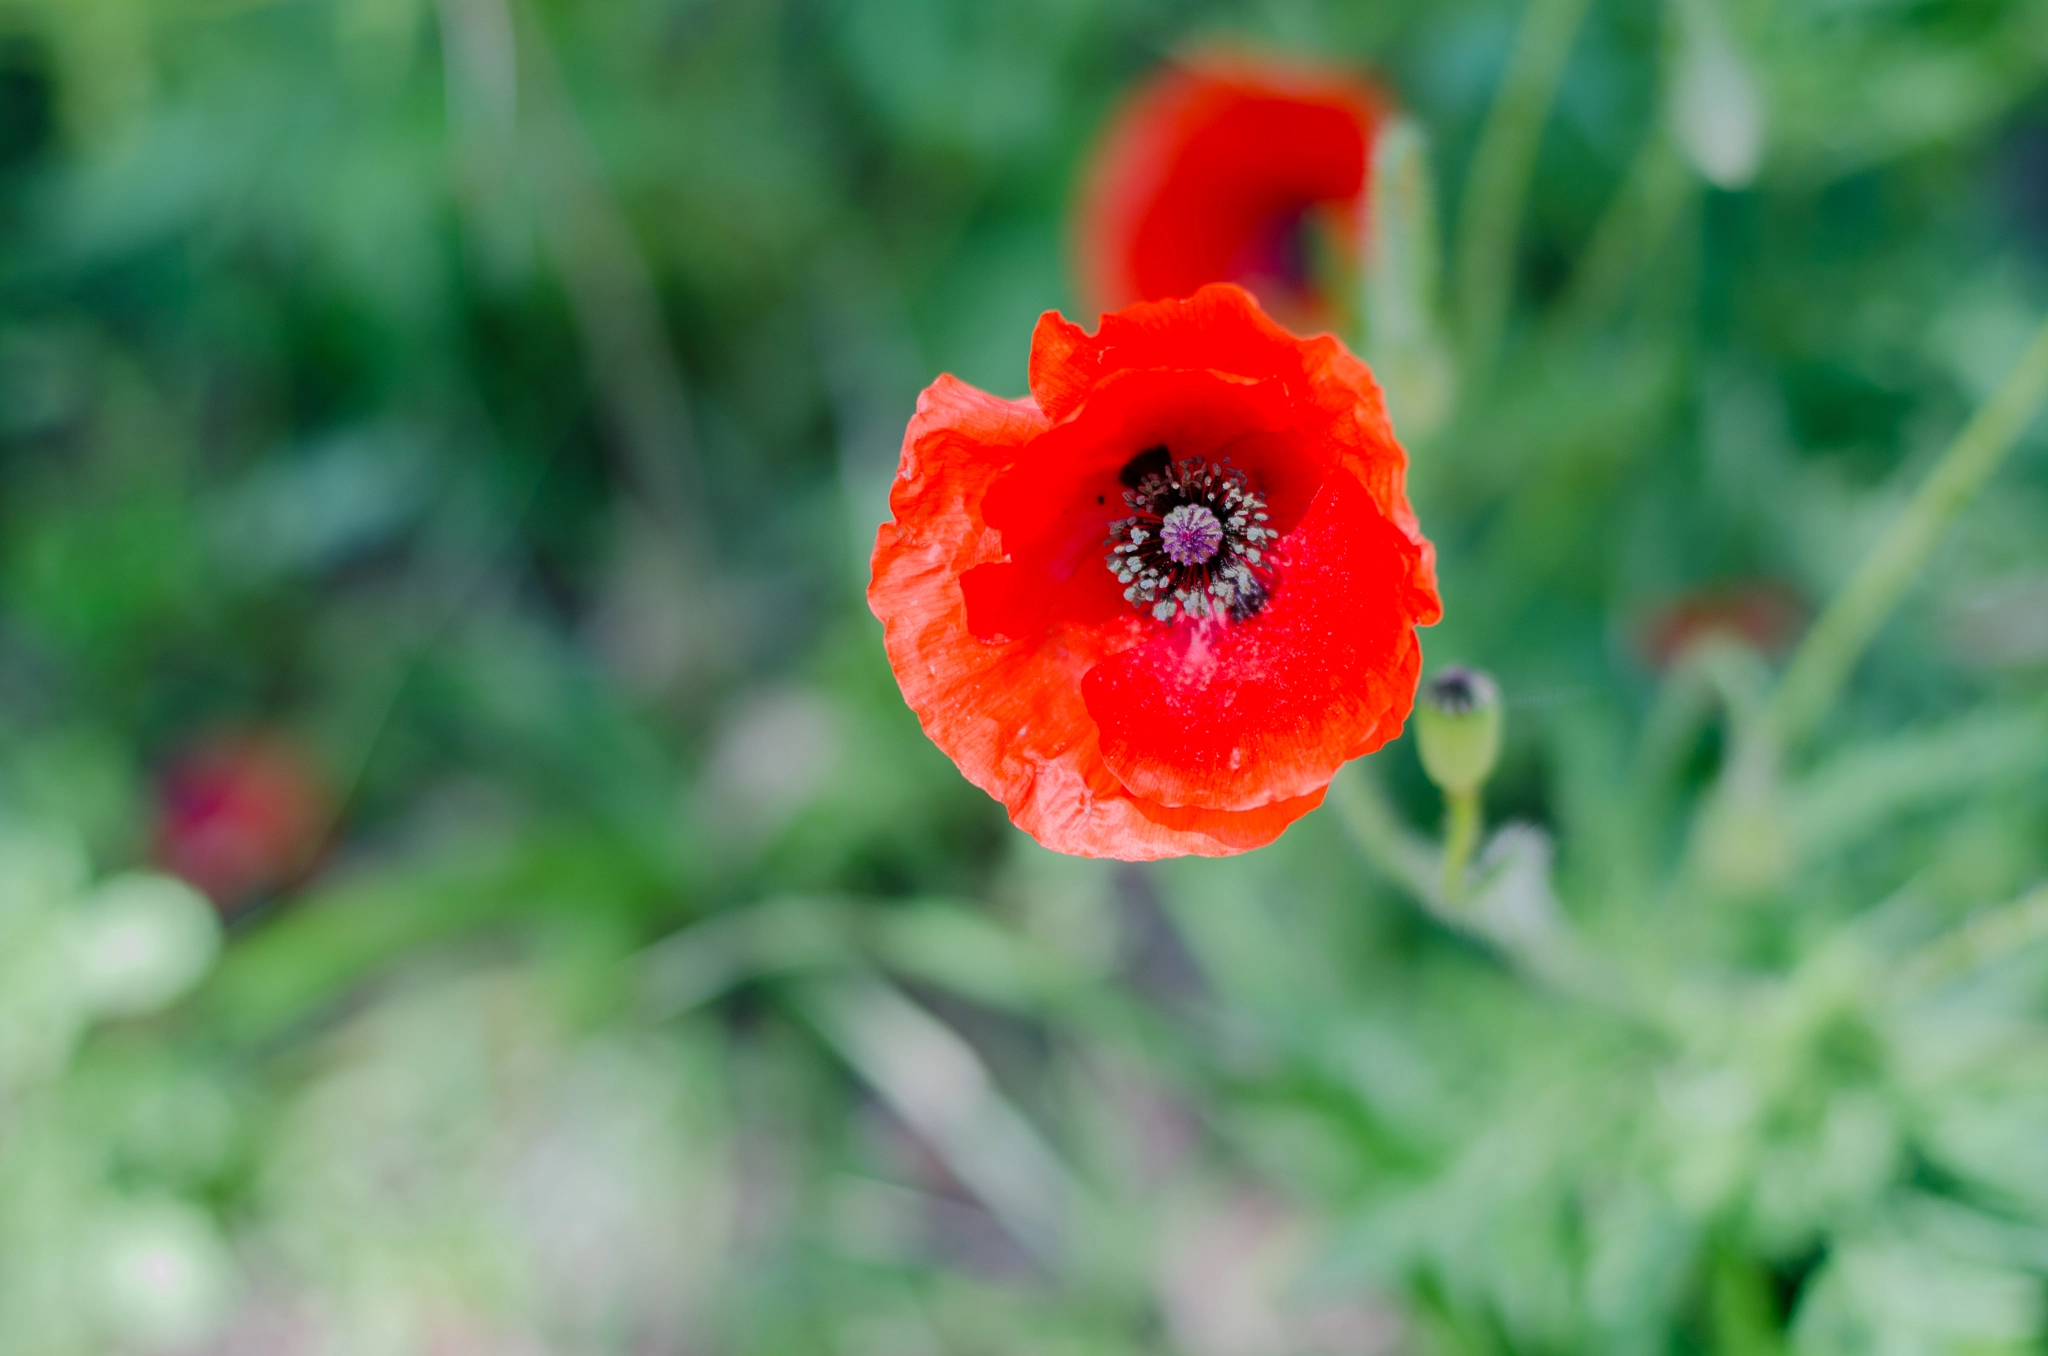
(1010, 714)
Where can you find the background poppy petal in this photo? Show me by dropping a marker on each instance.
(1206, 174)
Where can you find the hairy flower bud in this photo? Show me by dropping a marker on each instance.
(1458, 728)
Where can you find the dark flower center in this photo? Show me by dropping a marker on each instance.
(1283, 252)
(1195, 542)
(1459, 691)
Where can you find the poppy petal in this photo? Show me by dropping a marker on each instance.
(1230, 717)
(1010, 713)
(1108, 722)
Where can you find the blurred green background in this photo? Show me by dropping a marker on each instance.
(486, 405)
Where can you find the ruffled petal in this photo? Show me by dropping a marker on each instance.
(1055, 504)
(1066, 364)
(1009, 712)
(1341, 414)
(1107, 821)
(1220, 328)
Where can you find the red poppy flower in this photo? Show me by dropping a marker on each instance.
(241, 815)
(1224, 168)
(1153, 607)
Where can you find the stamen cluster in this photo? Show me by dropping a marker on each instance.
(1195, 543)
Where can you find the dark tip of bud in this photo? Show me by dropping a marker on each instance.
(1459, 691)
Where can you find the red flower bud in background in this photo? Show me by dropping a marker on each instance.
(1155, 606)
(1762, 615)
(241, 815)
(1230, 168)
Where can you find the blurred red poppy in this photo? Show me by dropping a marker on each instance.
(1230, 168)
(241, 815)
(1762, 615)
(1154, 606)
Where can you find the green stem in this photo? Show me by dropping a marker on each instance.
(1634, 227)
(1541, 945)
(1461, 836)
(1490, 213)
(1822, 664)
(1402, 854)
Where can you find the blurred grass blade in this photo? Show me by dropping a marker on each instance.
(1630, 232)
(604, 274)
(1869, 786)
(1511, 904)
(710, 958)
(1821, 666)
(936, 1083)
(869, 359)
(1490, 213)
(961, 949)
(1984, 940)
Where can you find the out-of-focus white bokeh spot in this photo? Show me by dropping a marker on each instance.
(1230, 1284)
(140, 941)
(167, 1278)
(1717, 109)
(774, 755)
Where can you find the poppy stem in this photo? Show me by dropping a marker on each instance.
(1461, 837)
(1523, 925)
(1490, 212)
(1399, 852)
(1821, 665)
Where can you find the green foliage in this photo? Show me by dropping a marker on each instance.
(498, 396)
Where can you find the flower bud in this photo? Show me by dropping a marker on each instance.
(1457, 727)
